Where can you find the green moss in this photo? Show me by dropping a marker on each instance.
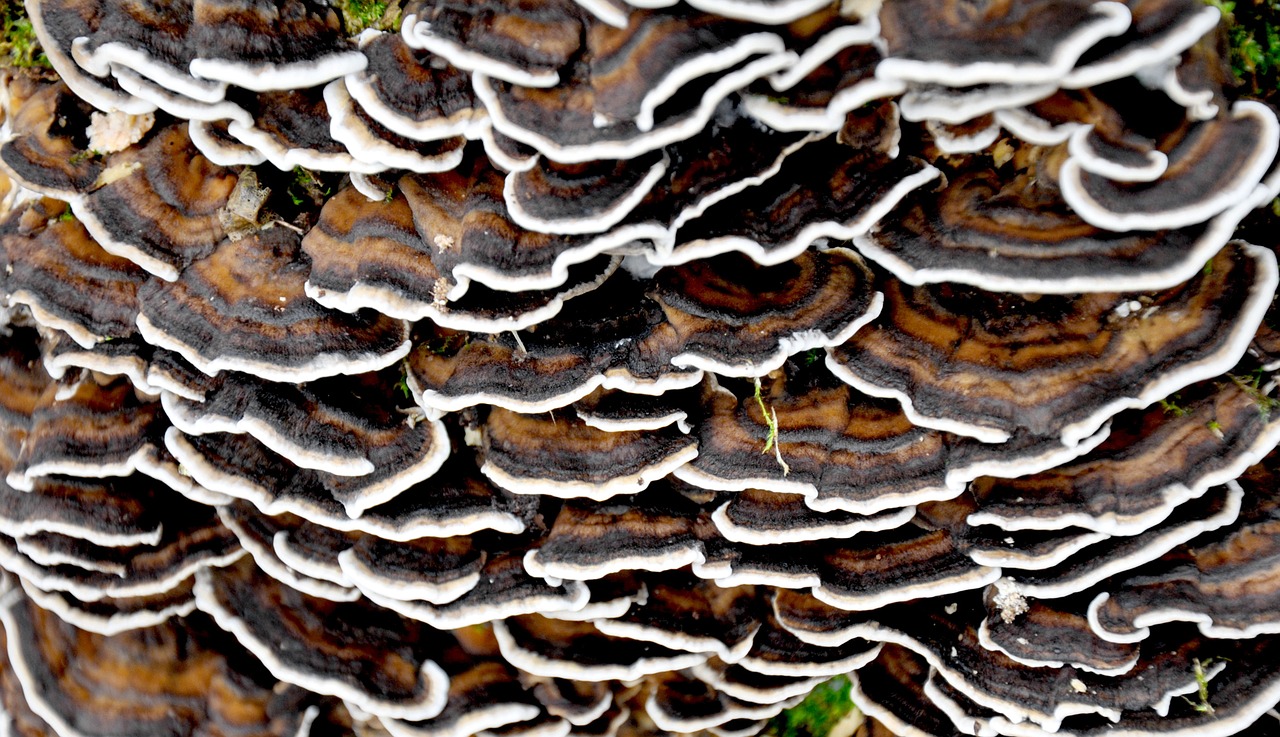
(1253, 38)
(20, 48)
(361, 14)
(817, 714)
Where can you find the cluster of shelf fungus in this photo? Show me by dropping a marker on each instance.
(626, 369)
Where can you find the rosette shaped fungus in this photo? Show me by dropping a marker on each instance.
(557, 403)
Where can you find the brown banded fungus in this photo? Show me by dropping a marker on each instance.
(513, 420)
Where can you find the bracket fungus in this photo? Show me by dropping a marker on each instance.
(610, 368)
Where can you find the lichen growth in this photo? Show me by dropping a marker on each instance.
(821, 710)
(20, 48)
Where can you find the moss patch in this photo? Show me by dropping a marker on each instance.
(817, 714)
(357, 15)
(19, 48)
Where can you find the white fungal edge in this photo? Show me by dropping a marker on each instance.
(541, 665)
(1199, 103)
(1081, 148)
(885, 716)
(16, 528)
(787, 250)
(177, 105)
(80, 205)
(376, 584)
(956, 106)
(552, 728)
(631, 483)
(684, 127)
(318, 568)
(1032, 128)
(967, 723)
(1110, 19)
(985, 639)
(677, 640)
(266, 559)
(867, 31)
(23, 476)
(1129, 59)
(674, 724)
(418, 35)
(1239, 336)
(1158, 542)
(320, 366)
(1245, 180)
(268, 76)
(346, 128)
(964, 581)
(608, 609)
(132, 367)
(83, 85)
(40, 553)
(468, 123)
(825, 669)
(268, 503)
(201, 420)
(1171, 612)
(99, 62)
(768, 12)
(455, 615)
(608, 12)
(111, 624)
(656, 561)
(784, 117)
(715, 678)
(479, 717)
(789, 344)
(1016, 712)
(1216, 235)
(219, 152)
(1171, 496)
(818, 530)
(597, 222)
(21, 566)
(74, 330)
(284, 157)
(438, 402)
(742, 49)
(1026, 560)
(952, 144)
(500, 157)
(389, 301)
(434, 682)
(679, 418)
(1219, 726)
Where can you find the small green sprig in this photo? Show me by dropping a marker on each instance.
(771, 420)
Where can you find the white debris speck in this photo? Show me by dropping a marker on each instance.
(442, 241)
(1128, 308)
(1009, 600)
(116, 131)
(1078, 686)
(471, 436)
(951, 608)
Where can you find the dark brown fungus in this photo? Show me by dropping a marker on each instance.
(244, 308)
(1024, 43)
(986, 371)
(270, 45)
(579, 651)
(168, 680)
(163, 214)
(66, 279)
(1225, 582)
(378, 661)
(736, 318)
(46, 151)
(565, 457)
